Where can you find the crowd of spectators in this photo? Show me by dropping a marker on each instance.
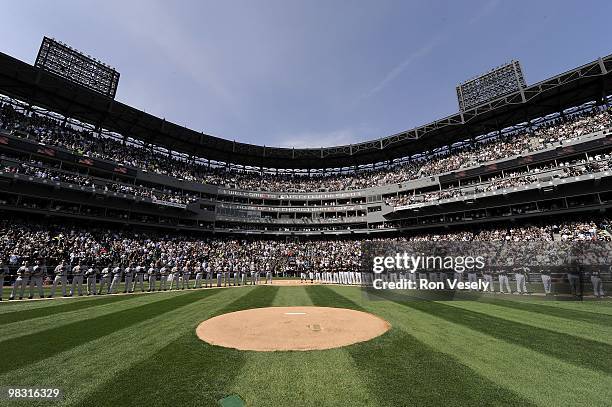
(571, 168)
(52, 132)
(21, 240)
(38, 170)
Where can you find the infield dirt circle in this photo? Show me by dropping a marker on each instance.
(291, 328)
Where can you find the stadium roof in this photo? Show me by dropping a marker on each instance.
(21, 80)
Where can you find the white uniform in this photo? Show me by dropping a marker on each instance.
(268, 273)
(163, 278)
(91, 281)
(472, 278)
(176, 275)
(198, 277)
(152, 272)
(23, 274)
(129, 276)
(77, 280)
(488, 277)
(208, 274)
(186, 277)
(105, 280)
(139, 280)
(597, 283)
(519, 276)
(503, 280)
(116, 280)
(36, 280)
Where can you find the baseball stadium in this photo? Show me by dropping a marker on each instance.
(466, 261)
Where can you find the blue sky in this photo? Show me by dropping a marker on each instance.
(309, 73)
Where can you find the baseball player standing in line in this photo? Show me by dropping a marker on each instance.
(488, 277)
(139, 280)
(573, 277)
(77, 279)
(163, 277)
(243, 274)
(152, 277)
(458, 276)
(235, 273)
(597, 282)
(198, 275)
(114, 287)
(472, 278)
(105, 279)
(61, 277)
(129, 276)
(519, 276)
(268, 273)
(219, 274)
(23, 274)
(209, 274)
(176, 276)
(546, 279)
(433, 276)
(502, 276)
(186, 275)
(4, 270)
(91, 279)
(36, 279)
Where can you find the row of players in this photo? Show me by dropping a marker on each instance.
(521, 278)
(170, 277)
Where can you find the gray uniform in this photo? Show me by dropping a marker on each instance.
(61, 277)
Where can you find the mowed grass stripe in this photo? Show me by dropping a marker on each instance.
(586, 330)
(400, 370)
(537, 377)
(35, 325)
(185, 372)
(317, 378)
(292, 297)
(80, 370)
(312, 378)
(544, 309)
(22, 315)
(582, 352)
(44, 344)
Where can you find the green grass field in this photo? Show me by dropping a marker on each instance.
(142, 350)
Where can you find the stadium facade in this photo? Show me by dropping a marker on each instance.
(380, 187)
